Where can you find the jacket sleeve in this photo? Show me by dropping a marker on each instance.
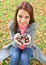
(12, 33)
(5, 52)
(32, 31)
(10, 24)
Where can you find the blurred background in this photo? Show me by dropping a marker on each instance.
(7, 12)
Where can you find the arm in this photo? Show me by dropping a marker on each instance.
(32, 31)
(10, 25)
(12, 33)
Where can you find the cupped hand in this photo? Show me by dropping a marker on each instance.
(16, 35)
(27, 43)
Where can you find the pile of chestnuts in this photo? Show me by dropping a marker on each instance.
(22, 38)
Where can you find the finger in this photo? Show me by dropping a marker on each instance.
(16, 35)
(29, 37)
(17, 42)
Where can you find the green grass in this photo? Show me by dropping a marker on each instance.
(7, 11)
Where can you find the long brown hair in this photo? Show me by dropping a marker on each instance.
(28, 7)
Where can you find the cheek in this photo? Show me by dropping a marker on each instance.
(18, 19)
(27, 20)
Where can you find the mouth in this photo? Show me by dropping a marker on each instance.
(23, 25)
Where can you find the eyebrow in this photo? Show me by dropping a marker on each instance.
(22, 16)
(19, 15)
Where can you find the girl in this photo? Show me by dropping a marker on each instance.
(23, 23)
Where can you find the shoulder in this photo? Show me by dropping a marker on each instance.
(11, 22)
(33, 25)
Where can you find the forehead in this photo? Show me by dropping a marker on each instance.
(23, 12)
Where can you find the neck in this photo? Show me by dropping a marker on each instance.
(22, 27)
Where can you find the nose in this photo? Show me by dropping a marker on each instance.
(23, 20)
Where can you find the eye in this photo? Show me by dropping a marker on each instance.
(20, 16)
(26, 16)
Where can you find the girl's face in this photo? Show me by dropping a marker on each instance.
(23, 17)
